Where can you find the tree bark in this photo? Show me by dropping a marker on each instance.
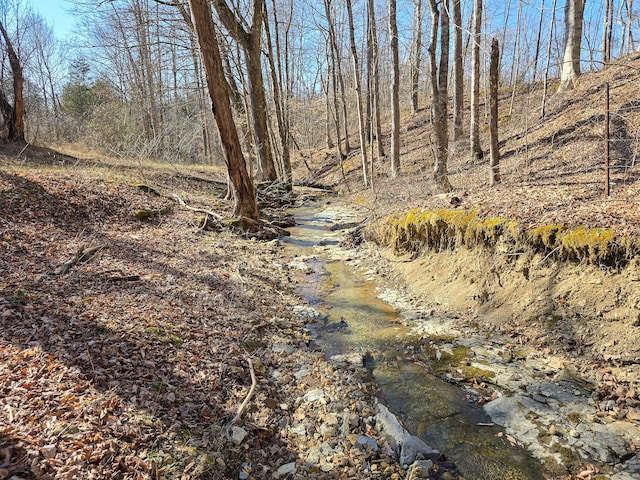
(278, 99)
(458, 72)
(574, 12)
(546, 70)
(438, 94)
(356, 77)
(337, 68)
(243, 191)
(416, 54)
(14, 114)
(251, 42)
(494, 162)
(476, 149)
(395, 90)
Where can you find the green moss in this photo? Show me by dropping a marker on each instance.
(150, 213)
(147, 189)
(420, 230)
(544, 237)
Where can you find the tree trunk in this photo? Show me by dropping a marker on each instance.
(356, 77)
(494, 162)
(337, 66)
(439, 99)
(280, 107)
(458, 72)
(243, 191)
(574, 12)
(416, 54)
(251, 42)
(546, 70)
(476, 149)
(375, 84)
(14, 116)
(395, 90)
(607, 32)
(536, 56)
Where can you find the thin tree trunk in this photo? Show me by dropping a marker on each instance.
(375, 87)
(439, 98)
(546, 70)
(515, 70)
(395, 90)
(276, 80)
(356, 77)
(476, 149)
(606, 32)
(15, 113)
(458, 72)
(243, 191)
(416, 56)
(494, 162)
(338, 75)
(538, 41)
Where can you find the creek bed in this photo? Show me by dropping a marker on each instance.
(355, 319)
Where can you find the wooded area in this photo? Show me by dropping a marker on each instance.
(131, 80)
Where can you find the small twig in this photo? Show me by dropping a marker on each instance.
(243, 406)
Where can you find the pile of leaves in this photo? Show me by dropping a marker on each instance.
(131, 361)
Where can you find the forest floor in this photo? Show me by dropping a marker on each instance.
(125, 343)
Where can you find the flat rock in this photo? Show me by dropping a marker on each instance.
(238, 434)
(389, 426)
(413, 448)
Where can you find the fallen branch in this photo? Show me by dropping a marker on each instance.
(243, 406)
(181, 202)
(82, 255)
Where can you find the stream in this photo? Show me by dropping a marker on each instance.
(352, 318)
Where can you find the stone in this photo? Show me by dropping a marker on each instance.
(299, 430)
(313, 396)
(317, 453)
(286, 469)
(49, 451)
(419, 470)
(303, 372)
(349, 359)
(389, 426)
(364, 441)
(283, 348)
(238, 434)
(413, 448)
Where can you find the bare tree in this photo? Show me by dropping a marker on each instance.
(458, 72)
(250, 39)
(13, 114)
(395, 90)
(546, 70)
(358, 85)
(416, 54)
(438, 76)
(244, 193)
(338, 78)
(476, 149)
(574, 13)
(494, 162)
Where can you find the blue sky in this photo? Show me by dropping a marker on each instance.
(57, 15)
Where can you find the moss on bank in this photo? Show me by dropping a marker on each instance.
(421, 230)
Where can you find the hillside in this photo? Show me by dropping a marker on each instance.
(552, 168)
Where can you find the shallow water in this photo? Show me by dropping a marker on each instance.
(356, 320)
